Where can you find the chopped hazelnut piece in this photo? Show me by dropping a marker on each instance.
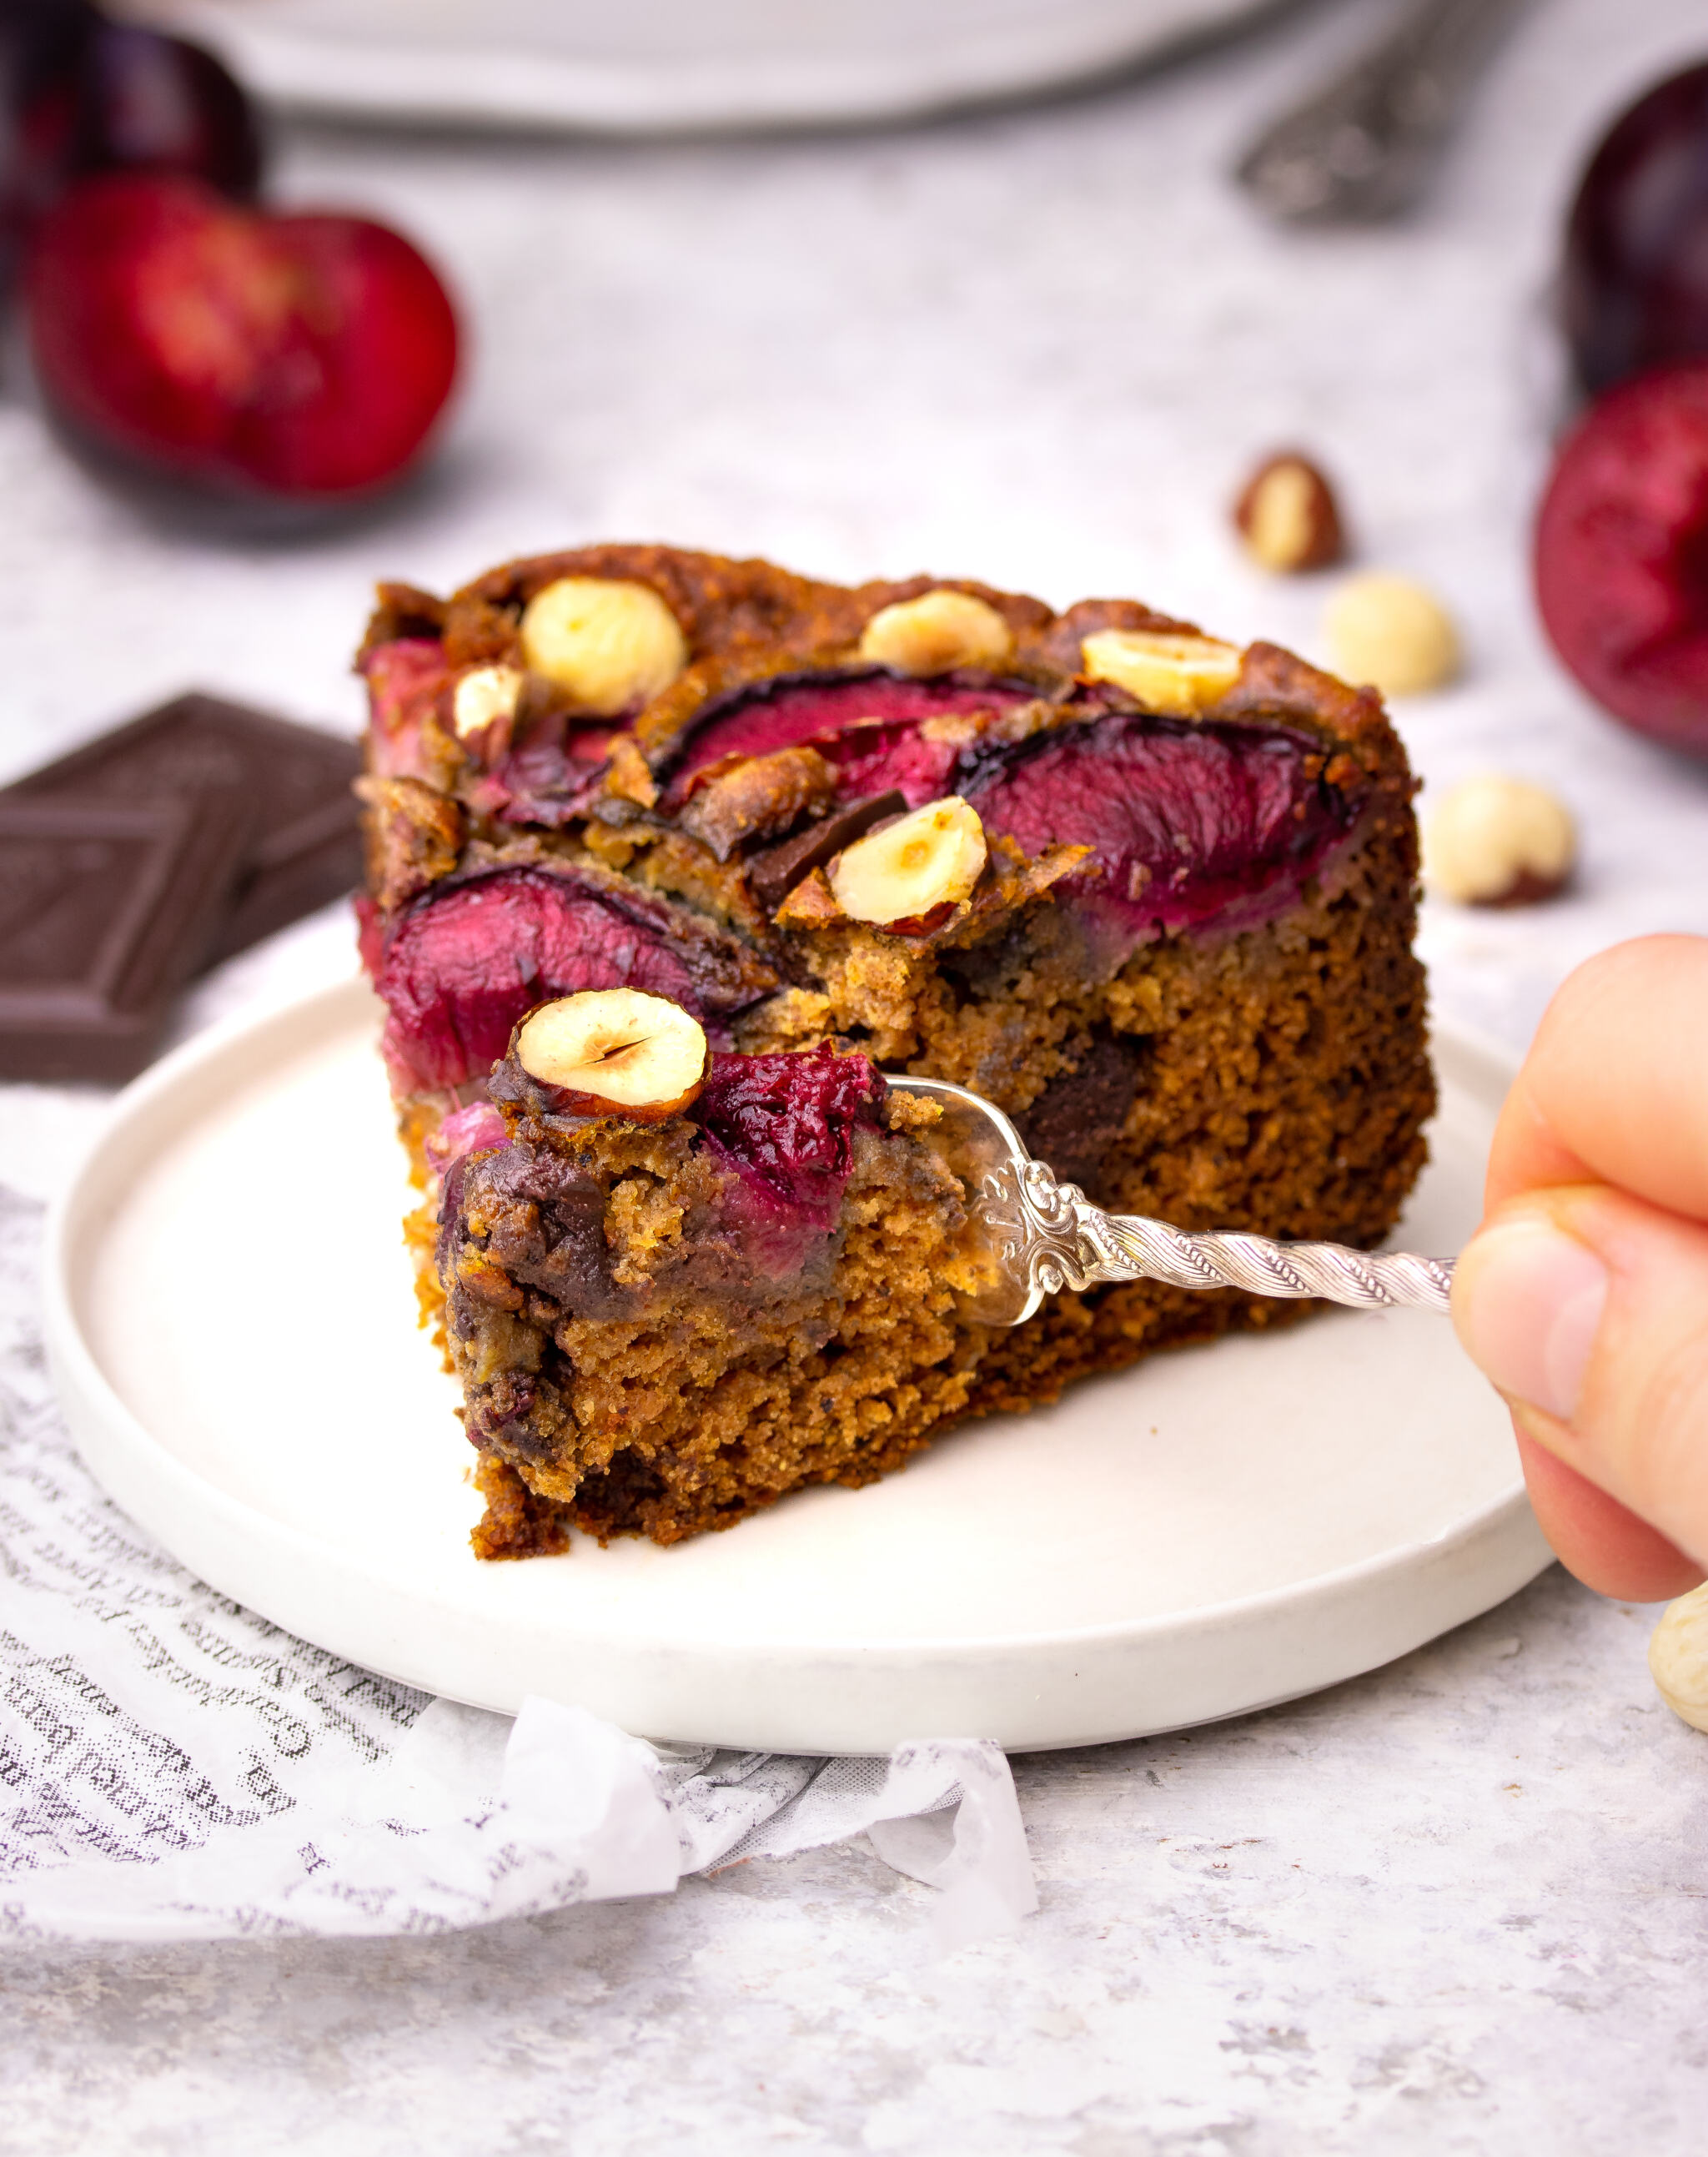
(608, 643)
(1180, 674)
(910, 869)
(485, 697)
(936, 632)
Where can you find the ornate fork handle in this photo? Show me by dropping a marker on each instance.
(1363, 146)
(1053, 1238)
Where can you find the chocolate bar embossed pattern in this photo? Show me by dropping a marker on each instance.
(106, 908)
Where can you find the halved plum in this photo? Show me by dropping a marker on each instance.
(1622, 555)
(462, 965)
(1188, 819)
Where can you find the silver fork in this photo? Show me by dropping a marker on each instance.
(1363, 147)
(1033, 1237)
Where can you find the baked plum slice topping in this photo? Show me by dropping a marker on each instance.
(869, 725)
(471, 957)
(549, 774)
(1622, 555)
(406, 679)
(1188, 821)
(786, 1124)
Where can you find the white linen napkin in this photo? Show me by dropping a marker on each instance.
(173, 1767)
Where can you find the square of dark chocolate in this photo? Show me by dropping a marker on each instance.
(106, 908)
(305, 843)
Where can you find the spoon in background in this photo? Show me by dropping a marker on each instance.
(1031, 1237)
(1365, 147)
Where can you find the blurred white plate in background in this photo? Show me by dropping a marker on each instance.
(648, 64)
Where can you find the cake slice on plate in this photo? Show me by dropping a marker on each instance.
(1149, 894)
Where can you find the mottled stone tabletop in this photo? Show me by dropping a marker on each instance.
(1457, 1905)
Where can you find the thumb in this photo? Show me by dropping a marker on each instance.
(1588, 1309)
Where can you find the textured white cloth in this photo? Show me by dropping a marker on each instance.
(173, 1767)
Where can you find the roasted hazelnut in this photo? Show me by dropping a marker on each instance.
(485, 697)
(607, 643)
(1287, 517)
(927, 860)
(1166, 670)
(1390, 633)
(1497, 842)
(614, 1052)
(1678, 1657)
(935, 632)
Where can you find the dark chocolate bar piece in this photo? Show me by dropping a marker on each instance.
(305, 845)
(106, 908)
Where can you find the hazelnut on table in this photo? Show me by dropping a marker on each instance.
(1678, 1657)
(1392, 633)
(1493, 841)
(1287, 517)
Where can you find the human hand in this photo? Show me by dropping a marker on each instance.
(1584, 1294)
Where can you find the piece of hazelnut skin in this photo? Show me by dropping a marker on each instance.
(1497, 842)
(1287, 517)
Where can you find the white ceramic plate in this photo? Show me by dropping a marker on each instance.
(654, 64)
(231, 1323)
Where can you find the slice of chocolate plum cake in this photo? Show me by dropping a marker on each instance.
(1150, 893)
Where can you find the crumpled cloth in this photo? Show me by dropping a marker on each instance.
(173, 1767)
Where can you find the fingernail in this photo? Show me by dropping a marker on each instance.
(1534, 1298)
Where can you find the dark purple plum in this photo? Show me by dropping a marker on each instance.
(146, 102)
(1635, 284)
(42, 43)
(277, 368)
(1622, 555)
(80, 96)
